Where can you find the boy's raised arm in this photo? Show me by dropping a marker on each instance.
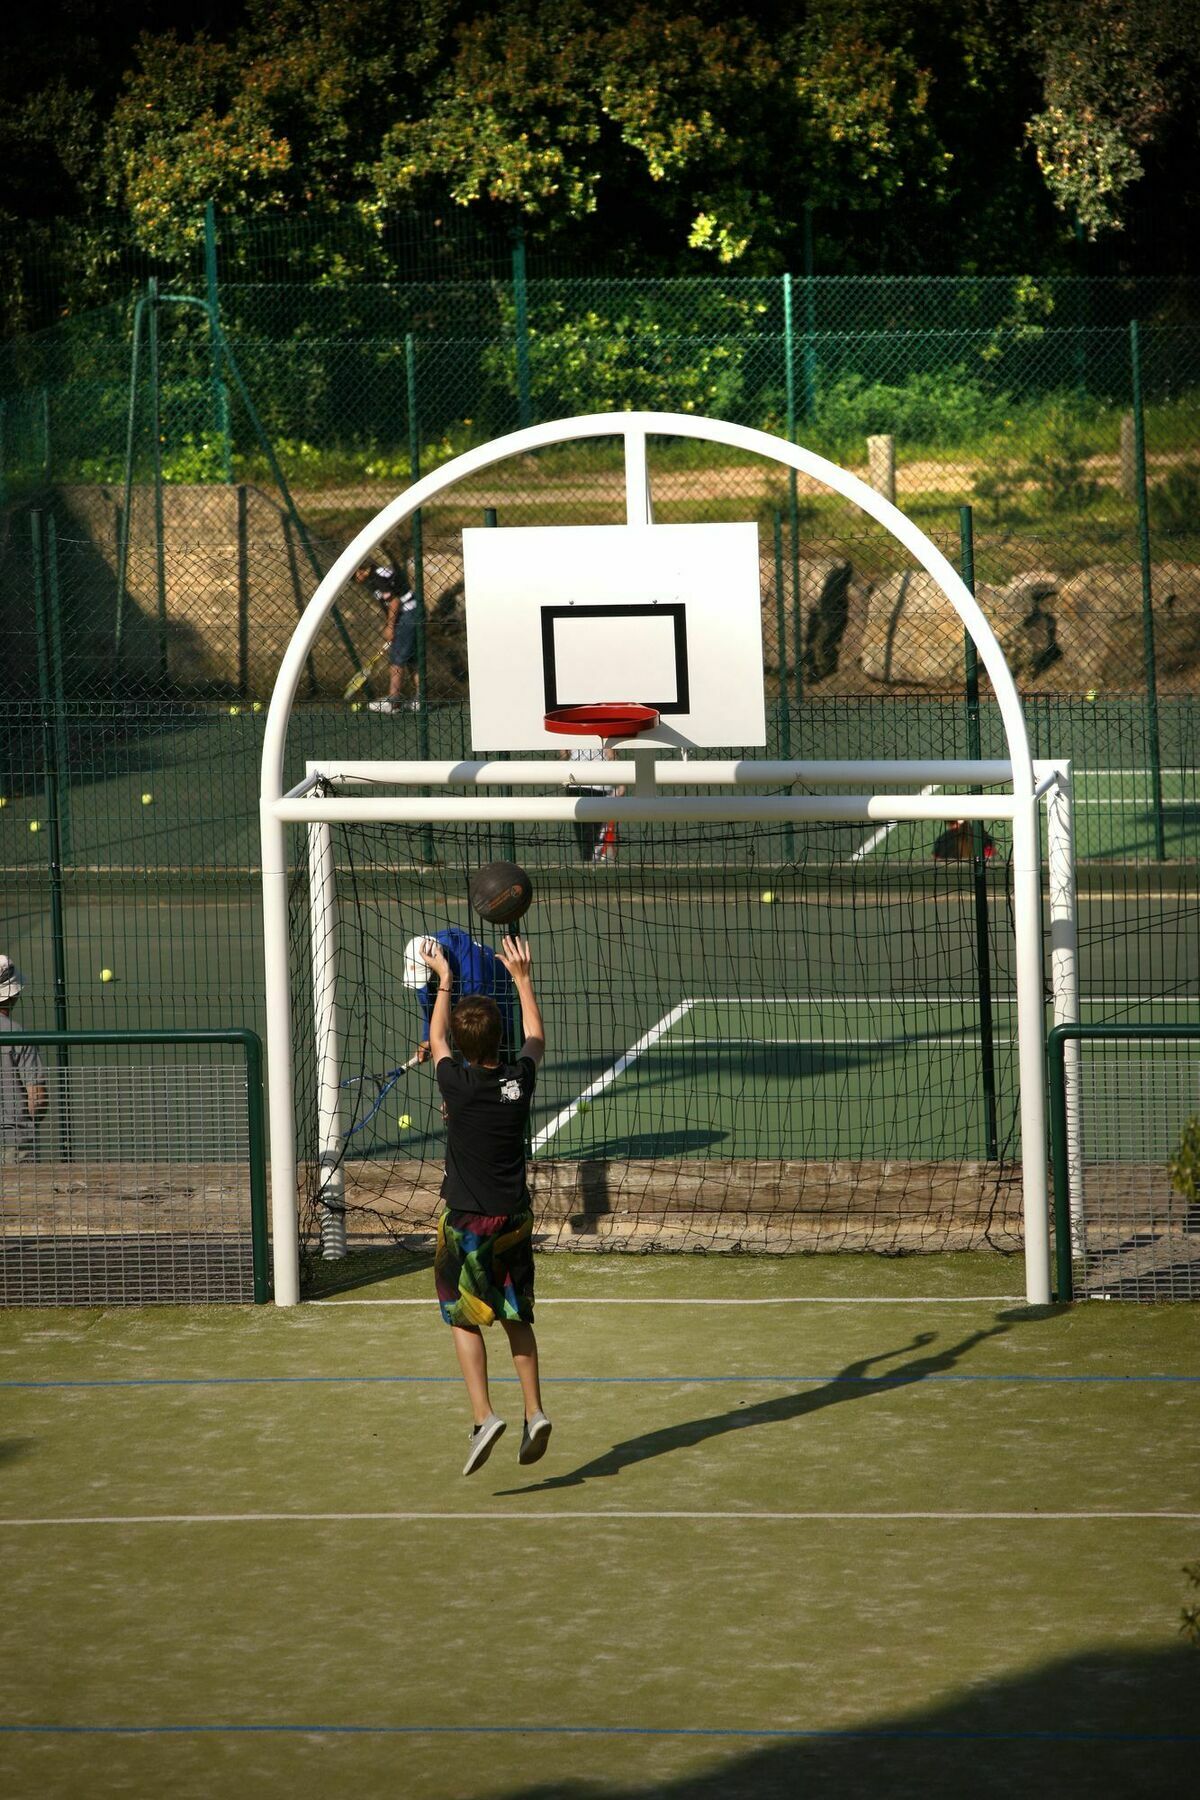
(434, 958)
(517, 958)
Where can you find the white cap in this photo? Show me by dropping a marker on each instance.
(11, 979)
(416, 972)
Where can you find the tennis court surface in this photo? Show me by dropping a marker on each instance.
(807, 1525)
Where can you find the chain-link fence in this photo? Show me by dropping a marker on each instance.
(179, 468)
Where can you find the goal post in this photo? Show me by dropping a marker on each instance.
(651, 799)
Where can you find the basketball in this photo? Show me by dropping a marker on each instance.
(501, 892)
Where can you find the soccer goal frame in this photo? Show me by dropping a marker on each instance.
(461, 796)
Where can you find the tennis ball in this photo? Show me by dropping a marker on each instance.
(1091, 694)
(257, 707)
(3, 799)
(35, 825)
(583, 1106)
(405, 1121)
(106, 974)
(234, 711)
(767, 896)
(356, 706)
(147, 799)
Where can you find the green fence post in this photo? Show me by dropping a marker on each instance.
(810, 316)
(418, 562)
(1143, 508)
(257, 1145)
(983, 957)
(521, 309)
(1056, 1059)
(220, 392)
(127, 492)
(160, 549)
(45, 434)
(789, 373)
(62, 749)
(51, 777)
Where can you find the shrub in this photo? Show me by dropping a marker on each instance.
(950, 407)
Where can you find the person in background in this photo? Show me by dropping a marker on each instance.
(390, 591)
(23, 1094)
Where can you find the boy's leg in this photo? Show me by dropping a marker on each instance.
(471, 1351)
(523, 1344)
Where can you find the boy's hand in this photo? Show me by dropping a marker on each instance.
(517, 957)
(434, 958)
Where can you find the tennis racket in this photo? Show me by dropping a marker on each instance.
(359, 681)
(383, 1085)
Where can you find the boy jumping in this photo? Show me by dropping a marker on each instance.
(484, 1262)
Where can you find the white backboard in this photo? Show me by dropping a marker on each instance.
(668, 616)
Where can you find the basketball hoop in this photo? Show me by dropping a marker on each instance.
(610, 719)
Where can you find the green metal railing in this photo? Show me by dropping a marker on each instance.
(249, 1042)
(1065, 1200)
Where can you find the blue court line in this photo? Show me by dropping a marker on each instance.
(782, 1733)
(872, 1381)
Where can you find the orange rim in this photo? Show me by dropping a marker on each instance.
(610, 719)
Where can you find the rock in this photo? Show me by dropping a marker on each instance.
(912, 635)
(1099, 625)
(824, 597)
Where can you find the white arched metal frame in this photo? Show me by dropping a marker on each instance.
(1020, 805)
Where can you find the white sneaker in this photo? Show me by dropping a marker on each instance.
(482, 1439)
(384, 706)
(534, 1438)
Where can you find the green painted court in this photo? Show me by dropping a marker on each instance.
(835, 1524)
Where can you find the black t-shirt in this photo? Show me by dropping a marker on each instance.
(487, 1114)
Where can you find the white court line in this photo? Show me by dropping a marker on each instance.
(593, 1516)
(877, 837)
(913, 1000)
(782, 1300)
(610, 1075)
(964, 1038)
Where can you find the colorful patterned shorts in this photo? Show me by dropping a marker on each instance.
(484, 1267)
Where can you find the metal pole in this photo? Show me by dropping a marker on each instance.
(160, 562)
(219, 390)
(285, 1234)
(418, 561)
(521, 308)
(1064, 975)
(327, 1025)
(58, 942)
(810, 316)
(983, 955)
(62, 755)
(1064, 1286)
(127, 499)
(1143, 507)
(508, 834)
(782, 707)
(789, 350)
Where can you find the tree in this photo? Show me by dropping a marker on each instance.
(276, 117)
(1112, 75)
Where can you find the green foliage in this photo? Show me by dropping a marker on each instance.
(943, 408)
(1112, 77)
(598, 361)
(1184, 1166)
